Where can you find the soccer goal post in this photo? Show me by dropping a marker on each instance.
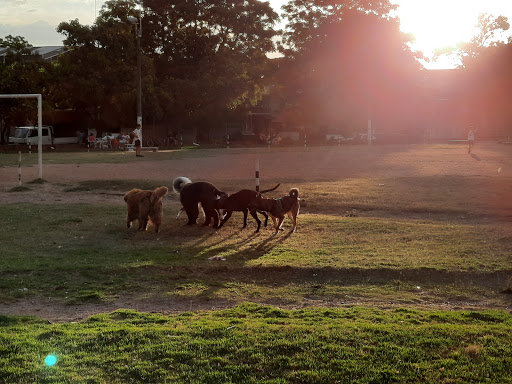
(39, 123)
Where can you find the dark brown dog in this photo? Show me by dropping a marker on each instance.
(193, 193)
(278, 208)
(240, 202)
(145, 206)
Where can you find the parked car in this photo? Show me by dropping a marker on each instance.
(29, 135)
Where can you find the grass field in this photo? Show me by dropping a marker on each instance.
(390, 278)
(259, 344)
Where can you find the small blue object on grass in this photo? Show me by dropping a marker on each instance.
(50, 360)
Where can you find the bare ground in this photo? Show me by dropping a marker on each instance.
(316, 164)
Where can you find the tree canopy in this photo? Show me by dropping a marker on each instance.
(205, 62)
(488, 29)
(21, 72)
(354, 64)
(199, 58)
(306, 19)
(209, 55)
(98, 72)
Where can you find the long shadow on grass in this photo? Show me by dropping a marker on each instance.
(215, 278)
(283, 275)
(218, 277)
(235, 252)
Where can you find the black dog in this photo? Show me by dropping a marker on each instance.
(240, 202)
(193, 193)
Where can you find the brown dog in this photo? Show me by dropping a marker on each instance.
(278, 208)
(145, 206)
(240, 201)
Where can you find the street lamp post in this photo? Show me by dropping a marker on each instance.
(138, 33)
(368, 93)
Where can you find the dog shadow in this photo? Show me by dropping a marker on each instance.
(270, 242)
(227, 235)
(262, 243)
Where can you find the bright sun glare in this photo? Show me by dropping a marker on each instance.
(437, 23)
(441, 23)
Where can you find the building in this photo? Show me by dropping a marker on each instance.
(49, 53)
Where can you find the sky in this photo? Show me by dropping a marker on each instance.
(435, 23)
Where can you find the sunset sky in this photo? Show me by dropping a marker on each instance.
(434, 23)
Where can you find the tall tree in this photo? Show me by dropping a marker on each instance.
(21, 71)
(305, 19)
(354, 66)
(98, 73)
(488, 96)
(210, 56)
(485, 65)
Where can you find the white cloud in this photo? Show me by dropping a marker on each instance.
(15, 2)
(37, 20)
(37, 34)
(22, 12)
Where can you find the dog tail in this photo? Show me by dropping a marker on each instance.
(158, 194)
(271, 189)
(294, 192)
(179, 182)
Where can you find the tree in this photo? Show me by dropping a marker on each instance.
(210, 56)
(354, 65)
(200, 59)
(22, 72)
(17, 48)
(488, 27)
(485, 62)
(306, 18)
(98, 72)
(488, 81)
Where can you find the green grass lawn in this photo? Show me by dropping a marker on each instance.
(259, 344)
(79, 249)
(374, 262)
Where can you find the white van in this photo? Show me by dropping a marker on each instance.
(29, 135)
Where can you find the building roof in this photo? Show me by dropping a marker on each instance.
(49, 52)
(45, 53)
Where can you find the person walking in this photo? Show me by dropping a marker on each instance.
(138, 140)
(471, 138)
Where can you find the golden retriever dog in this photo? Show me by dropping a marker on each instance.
(145, 206)
(278, 208)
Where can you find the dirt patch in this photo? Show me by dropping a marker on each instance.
(315, 164)
(57, 312)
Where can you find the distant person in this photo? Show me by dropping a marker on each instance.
(471, 138)
(114, 142)
(138, 140)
